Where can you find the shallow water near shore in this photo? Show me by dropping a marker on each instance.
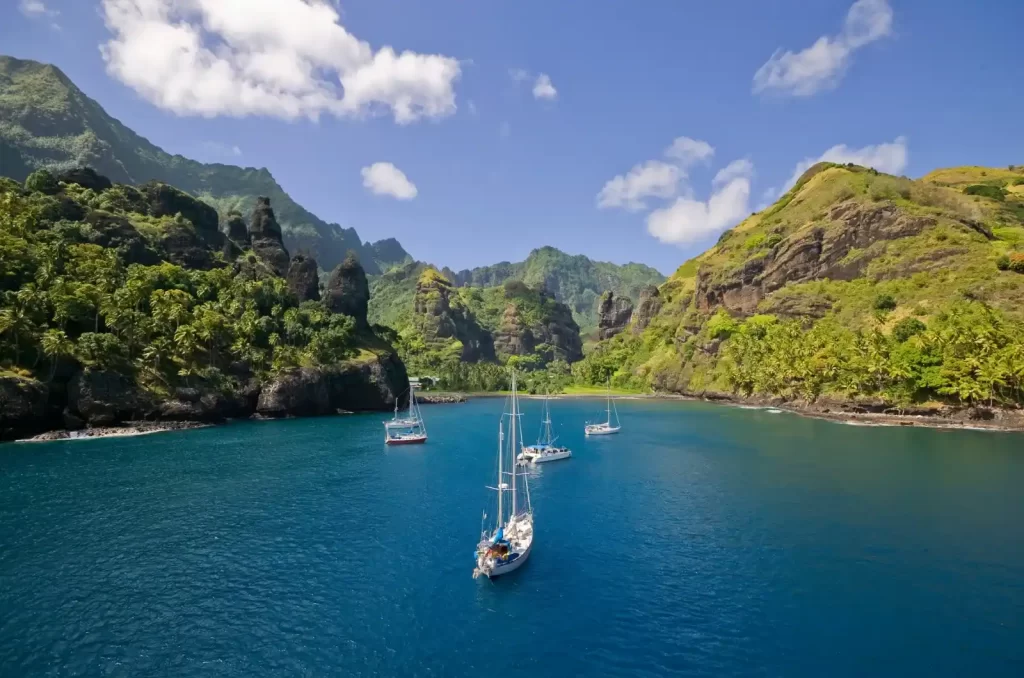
(703, 540)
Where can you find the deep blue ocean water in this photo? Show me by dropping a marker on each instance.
(704, 540)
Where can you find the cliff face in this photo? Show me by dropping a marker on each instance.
(265, 237)
(304, 279)
(613, 315)
(646, 309)
(435, 316)
(347, 291)
(817, 252)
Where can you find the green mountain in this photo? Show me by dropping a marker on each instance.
(120, 303)
(854, 285)
(46, 121)
(440, 326)
(576, 280)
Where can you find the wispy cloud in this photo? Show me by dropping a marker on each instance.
(655, 178)
(890, 157)
(543, 88)
(383, 178)
(220, 149)
(822, 65)
(280, 58)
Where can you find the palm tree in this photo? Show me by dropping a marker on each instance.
(56, 345)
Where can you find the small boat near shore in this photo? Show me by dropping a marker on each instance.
(605, 428)
(545, 450)
(408, 429)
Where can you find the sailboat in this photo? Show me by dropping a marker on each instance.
(408, 429)
(545, 449)
(506, 547)
(605, 428)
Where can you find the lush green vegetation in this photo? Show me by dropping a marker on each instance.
(85, 279)
(929, 309)
(79, 132)
(576, 281)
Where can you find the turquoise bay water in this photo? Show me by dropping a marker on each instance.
(703, 540)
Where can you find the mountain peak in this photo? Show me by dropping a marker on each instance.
(52, 124)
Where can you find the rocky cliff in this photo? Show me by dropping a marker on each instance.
(613, 315)
(265, 237)
(304, 278)
(438, 319)
(647, 308)
(347, 290)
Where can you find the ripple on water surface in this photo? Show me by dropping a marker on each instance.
(702, 540)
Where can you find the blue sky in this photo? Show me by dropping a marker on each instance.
(662, 94)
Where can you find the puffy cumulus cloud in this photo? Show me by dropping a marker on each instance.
(383, 178)
(889, 157)
(688, 220)
(543, 89)
(652, 179)
(823, 64)
(280, 58)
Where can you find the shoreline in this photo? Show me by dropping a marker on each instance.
(840, 411)
(128, 430)
(851, 413)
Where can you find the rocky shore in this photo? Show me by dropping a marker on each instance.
(131, 428)
(440, 398)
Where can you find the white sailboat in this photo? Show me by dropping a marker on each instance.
(506, 547)
(408, 429)
(605, 428)
(545, 450)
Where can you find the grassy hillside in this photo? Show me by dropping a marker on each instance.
(576, 280)
(46, 121)
(854, 284)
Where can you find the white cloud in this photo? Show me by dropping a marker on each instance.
(383, 178)
(280, 58)
(823, 64)
(35, 9)
(687, 220)
(543, 89)
(888, 157)
(652, 179)
(542, 86)
(655, 178)
(689, 151)
(735, 169)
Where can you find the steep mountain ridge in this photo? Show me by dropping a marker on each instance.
(575, 280)
(856, 285)
(46, 121)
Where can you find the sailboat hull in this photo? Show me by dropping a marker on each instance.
(418, 440)
(506, 568)
(602, 431)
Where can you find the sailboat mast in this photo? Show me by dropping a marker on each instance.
(501, 439)
(512, 443)
(608, 408)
